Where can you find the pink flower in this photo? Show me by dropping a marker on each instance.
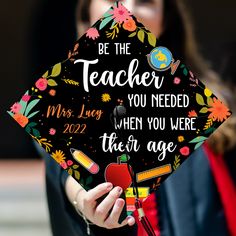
(120, 13)
(69, 163)
(177, 80)
(16, 107)
(26, 98)
(52, 131)
(41, 84)
(185, 151)
(63, 165)
(92, 33)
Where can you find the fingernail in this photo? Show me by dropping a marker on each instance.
(109, 186)
(131, 220)
(120, 203)
(119, 190)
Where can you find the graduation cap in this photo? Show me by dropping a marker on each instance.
(121, 108)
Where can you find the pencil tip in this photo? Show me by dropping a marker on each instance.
(72, 150)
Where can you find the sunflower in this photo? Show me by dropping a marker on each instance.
(106, 97)
(218, 110)
(58, 156)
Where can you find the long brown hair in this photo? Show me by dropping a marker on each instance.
(178, 36)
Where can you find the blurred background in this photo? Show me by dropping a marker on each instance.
(36, 34)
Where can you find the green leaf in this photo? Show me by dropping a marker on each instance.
(23, 106)
(89, 180)
(105, 22)
(198, 145)
(10, 113)
(32, 124)
(198, 139)
(177, 159)
(32, 114)
(70, 171)
(28, 129)
(36, 133)
(124, 158)
(175, 167)
(199, 99)
(52, 82)
(77, 174)
(56, 70)
(204, 110)
(176, 162)
(107, 14)
(113, 23)
(182, 66)
(75, 167)
(82, 182)
(185, 71)
(132, 35)
(141, 35)
(152, 39)
(209, 101)
(210, 130)
(31, 105)
(45, 75)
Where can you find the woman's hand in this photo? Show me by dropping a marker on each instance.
(98, 213)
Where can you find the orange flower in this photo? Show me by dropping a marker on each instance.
(192, 114)
(218, 110)
(130, 25)
(52, 92)
(180, 139)
(22, 120)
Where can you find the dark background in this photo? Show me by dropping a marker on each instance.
(28, 26)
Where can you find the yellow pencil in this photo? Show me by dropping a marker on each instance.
(85, 161)
(152, 173)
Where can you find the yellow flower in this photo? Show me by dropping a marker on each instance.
(180, 139)
(106, 97)
(207, 92)
(58, 156)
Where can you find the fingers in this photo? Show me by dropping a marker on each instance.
(97, 192)
(89, 201)
(112, 201)
(112, 220)
(99, 214)
(130, 220)
(115, 213)
(105, 206)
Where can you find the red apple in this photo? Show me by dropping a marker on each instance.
(118, 174)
